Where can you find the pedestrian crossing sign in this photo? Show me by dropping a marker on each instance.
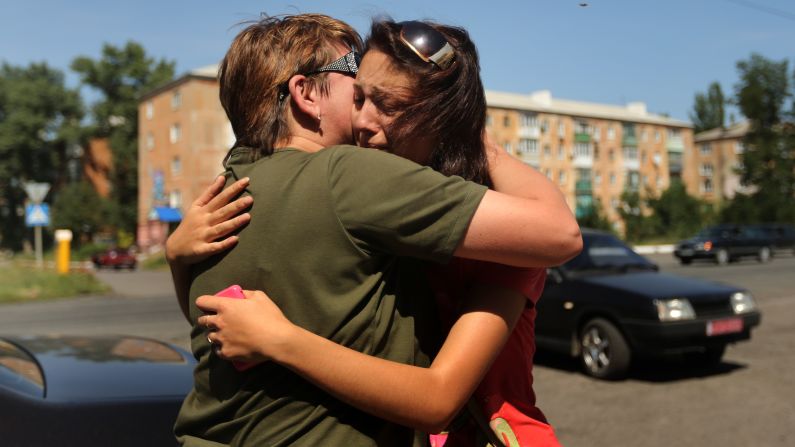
(37, 215)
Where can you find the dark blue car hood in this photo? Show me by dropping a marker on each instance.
(659, 285)
(81, 368)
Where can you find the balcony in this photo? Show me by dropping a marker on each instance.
(582, 137)
(530, 132)
(675, 144)
(582, 161)
(583, 187)
(629, 140)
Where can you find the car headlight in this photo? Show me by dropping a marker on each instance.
(674, 309)
(742, 302)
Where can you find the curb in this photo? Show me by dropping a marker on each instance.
(653, 249)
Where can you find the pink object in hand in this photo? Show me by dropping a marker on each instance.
(236, 292)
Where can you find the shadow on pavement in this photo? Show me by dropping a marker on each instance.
(645, 370)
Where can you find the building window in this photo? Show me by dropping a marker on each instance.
(633, 179)
(614, 203)
(548, 173)
(597, 134)
(547, 151)
(705, 149)
(176, 165)
(660, 183)
(174, 133)
(706, 185)
(506, 121)
(175, 199)
(705, 170)
(643, 156)
(645, 180)
(611, 155)
(176, 100)
(561, 129)
(656, 136)
(630, 153)
(611, 133)
(739, 147)
(528, 146)
(644, 135)
(583, 127)
(507, 147)
(150, 141)
(528, 119)
(582, 150)
(562, 177)
(673, 133)
(489, 120)
(544, 125)
(149, 110)
(561, 153)
(612, 178)
(597, 179)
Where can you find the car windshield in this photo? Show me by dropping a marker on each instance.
(607, 252)
(711, 232)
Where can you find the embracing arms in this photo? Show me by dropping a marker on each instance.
(424, 398)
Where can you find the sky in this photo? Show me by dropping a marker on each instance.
(608, 51)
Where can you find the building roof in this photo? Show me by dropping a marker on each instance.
(737, 130)
(208, 72)
(542, 101)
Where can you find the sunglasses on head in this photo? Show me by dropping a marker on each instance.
(427, 43)
(347, 64)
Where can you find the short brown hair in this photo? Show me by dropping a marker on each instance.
(262, 59)
(447, 105)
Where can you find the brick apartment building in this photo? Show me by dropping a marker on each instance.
(183, 137)
(717, 158)
(591, 151)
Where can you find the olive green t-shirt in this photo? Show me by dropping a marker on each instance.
(326, 232)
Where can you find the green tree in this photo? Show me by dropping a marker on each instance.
(121, 76)
(79, 208)
(637, 225)
(677, 213)
(39, 119)
(769, 158)
(708, 110)
(596, 218)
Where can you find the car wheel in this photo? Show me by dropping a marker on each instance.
(685, 261)
(604, 352)
(722, 257)
(763, 255)
(709, 357)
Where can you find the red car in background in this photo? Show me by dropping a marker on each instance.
(116, 258)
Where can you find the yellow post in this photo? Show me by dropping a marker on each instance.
(64, 239)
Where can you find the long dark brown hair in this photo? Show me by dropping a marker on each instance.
(446, 106)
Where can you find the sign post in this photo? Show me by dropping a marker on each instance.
(37, 215)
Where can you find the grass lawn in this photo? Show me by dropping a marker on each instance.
(24, 282)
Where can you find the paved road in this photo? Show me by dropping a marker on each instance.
(747, 400)
(142, 303)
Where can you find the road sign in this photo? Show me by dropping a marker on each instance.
(37, 215)
(36, 191)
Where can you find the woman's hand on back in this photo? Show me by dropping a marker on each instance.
(250, 329)
(205, 229)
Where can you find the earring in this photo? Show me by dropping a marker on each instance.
(318, 116)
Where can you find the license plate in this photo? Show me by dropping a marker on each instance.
(686, 252)
(727, 326)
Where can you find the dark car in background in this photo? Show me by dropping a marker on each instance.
(609, 305)
(116, 258)
(725, 243)
(781, 237)
(91, 391)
